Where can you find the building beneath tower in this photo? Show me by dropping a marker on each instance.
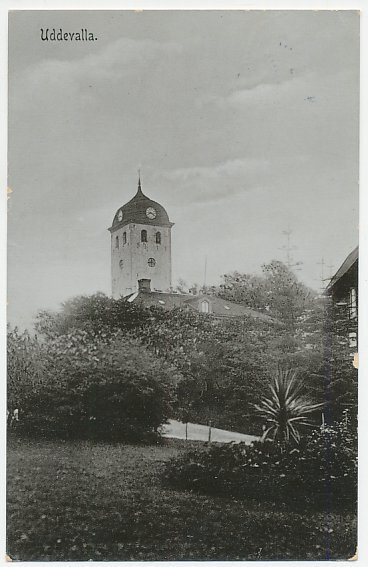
(140, 246)
(141, 264)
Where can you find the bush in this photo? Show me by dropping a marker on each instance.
(90, 386)
(287, 407)
(320, 472)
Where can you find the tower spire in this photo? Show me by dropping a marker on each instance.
(139, 181)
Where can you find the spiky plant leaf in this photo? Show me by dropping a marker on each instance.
(287, 408)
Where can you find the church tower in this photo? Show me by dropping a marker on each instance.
(140, 246)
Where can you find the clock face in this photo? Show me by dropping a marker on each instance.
(120, 215)
(151, 213)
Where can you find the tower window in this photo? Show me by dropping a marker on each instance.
(121, 264)
(124, 237)
(143, 236)
(151, 262)
(117, 242)
(205, 307)
(158, 237)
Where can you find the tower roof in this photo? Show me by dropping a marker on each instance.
(135, 211)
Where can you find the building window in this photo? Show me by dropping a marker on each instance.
(143, 236)
(124, 237)
(151, 262)
(158, 237)
(116, 242)
(353, 307)
(121, 264)
(205, 307)
(353, 343)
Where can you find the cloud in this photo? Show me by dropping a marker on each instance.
(266, 93)
(219, 119)
(227, 169)
(214, 183)
(122, 58)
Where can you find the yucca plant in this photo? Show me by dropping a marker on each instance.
(287, 408)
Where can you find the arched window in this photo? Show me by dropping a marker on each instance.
(205, 307)
(124, 237)
(143, 236)
(158, 237)
(116, 242)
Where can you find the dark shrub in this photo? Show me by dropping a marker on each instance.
(89, 386)
(320, 472)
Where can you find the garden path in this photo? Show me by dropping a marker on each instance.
(196, 432)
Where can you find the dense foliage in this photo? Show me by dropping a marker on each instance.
(320, 472)
(223, 367)
(277, 290)
(314, 338)
(87, 385)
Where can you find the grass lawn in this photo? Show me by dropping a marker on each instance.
(87, 500)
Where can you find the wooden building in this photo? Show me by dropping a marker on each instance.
(343, 290)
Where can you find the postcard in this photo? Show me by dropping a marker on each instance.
(182, 349)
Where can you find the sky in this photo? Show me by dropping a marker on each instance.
(244, 125)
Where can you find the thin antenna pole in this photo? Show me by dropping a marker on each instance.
(288, 248)
(205, 272)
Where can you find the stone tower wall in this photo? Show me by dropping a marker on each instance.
(129, 261)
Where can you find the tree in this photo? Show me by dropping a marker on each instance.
(225, 371)
(182, 286)
(225, 366)
(277, 290)
(93, 386)
(341, 377)
(288, 298)
(247, 289)
(96, 314)
(324, 357)
(25, 366)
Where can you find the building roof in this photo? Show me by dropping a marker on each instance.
(135, 212)
(344, 268)
(219, 308)
(223, 308)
